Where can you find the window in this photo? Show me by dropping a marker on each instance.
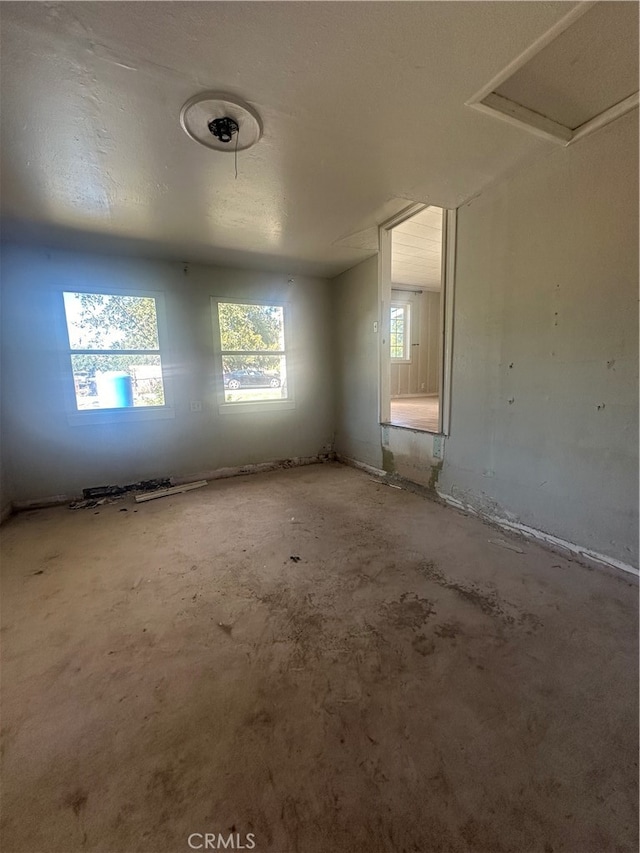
(253, 352)
(114, 351)
(399, 337)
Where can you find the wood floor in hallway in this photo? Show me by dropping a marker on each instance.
(318, 661)
(420, 412)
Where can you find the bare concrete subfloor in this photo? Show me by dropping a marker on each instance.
(406, 685)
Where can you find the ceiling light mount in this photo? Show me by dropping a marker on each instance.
(214, 119)
(223, 128)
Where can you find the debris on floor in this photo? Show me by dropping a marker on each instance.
(294, 558)
(173, 490)
(100, 495)
(102, 492)
(89, 504)
(114, 491)
(399, 623)
(508, 545)
(381, 481)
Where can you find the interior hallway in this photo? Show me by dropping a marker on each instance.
(420, 412)
(410, 683)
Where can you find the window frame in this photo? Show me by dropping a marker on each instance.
(76, 416)
(251, 406)
(405, 358)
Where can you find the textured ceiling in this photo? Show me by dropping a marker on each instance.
(585, 70)
(362, 105)
(416, 250)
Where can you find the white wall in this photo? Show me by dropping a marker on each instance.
(44, 455)
(358, 435)
(544, 422)
(6, 492)
(421, 375)
(544, 426)
(355, 305)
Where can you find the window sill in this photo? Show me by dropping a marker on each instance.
(413, 428)
(250, 408)
(110, 416)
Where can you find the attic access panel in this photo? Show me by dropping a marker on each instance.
(579, 76)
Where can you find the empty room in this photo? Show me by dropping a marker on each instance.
(319, 427)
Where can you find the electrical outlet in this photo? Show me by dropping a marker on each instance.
(196, 405)
(438, 446)
(375, 325)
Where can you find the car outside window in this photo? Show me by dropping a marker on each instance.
(253, 354)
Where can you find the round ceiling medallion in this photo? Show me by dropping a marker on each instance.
(204, 115)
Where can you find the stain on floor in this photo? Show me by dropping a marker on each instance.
(403, 686)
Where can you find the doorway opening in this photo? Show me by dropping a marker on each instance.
(414, 360)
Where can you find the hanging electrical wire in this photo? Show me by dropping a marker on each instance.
(224, 129)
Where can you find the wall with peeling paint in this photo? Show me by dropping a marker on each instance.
(409, 455)
(544, 422)
(45, 455)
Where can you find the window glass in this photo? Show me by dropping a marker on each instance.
(114, 351)
(399, 331)
(101, 321)
(254, 363)
(250, 328)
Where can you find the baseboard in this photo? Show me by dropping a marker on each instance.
(216, 474)
(45, 503)
(256, 468)
(555, 543)
(353, 463)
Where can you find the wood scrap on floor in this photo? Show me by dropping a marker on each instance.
(113, 491)
(508, 545)
(100, 495)
(174, 490)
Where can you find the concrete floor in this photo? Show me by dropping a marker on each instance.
(407, 685)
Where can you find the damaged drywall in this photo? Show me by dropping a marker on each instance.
(544, 412)
(409, 455)
(544, 421)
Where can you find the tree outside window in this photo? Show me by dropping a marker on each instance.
(252, 346)
(399, 336)
(114, 350)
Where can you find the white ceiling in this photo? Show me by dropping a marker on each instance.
(416, 250)
(585, 70)
(362, 105)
